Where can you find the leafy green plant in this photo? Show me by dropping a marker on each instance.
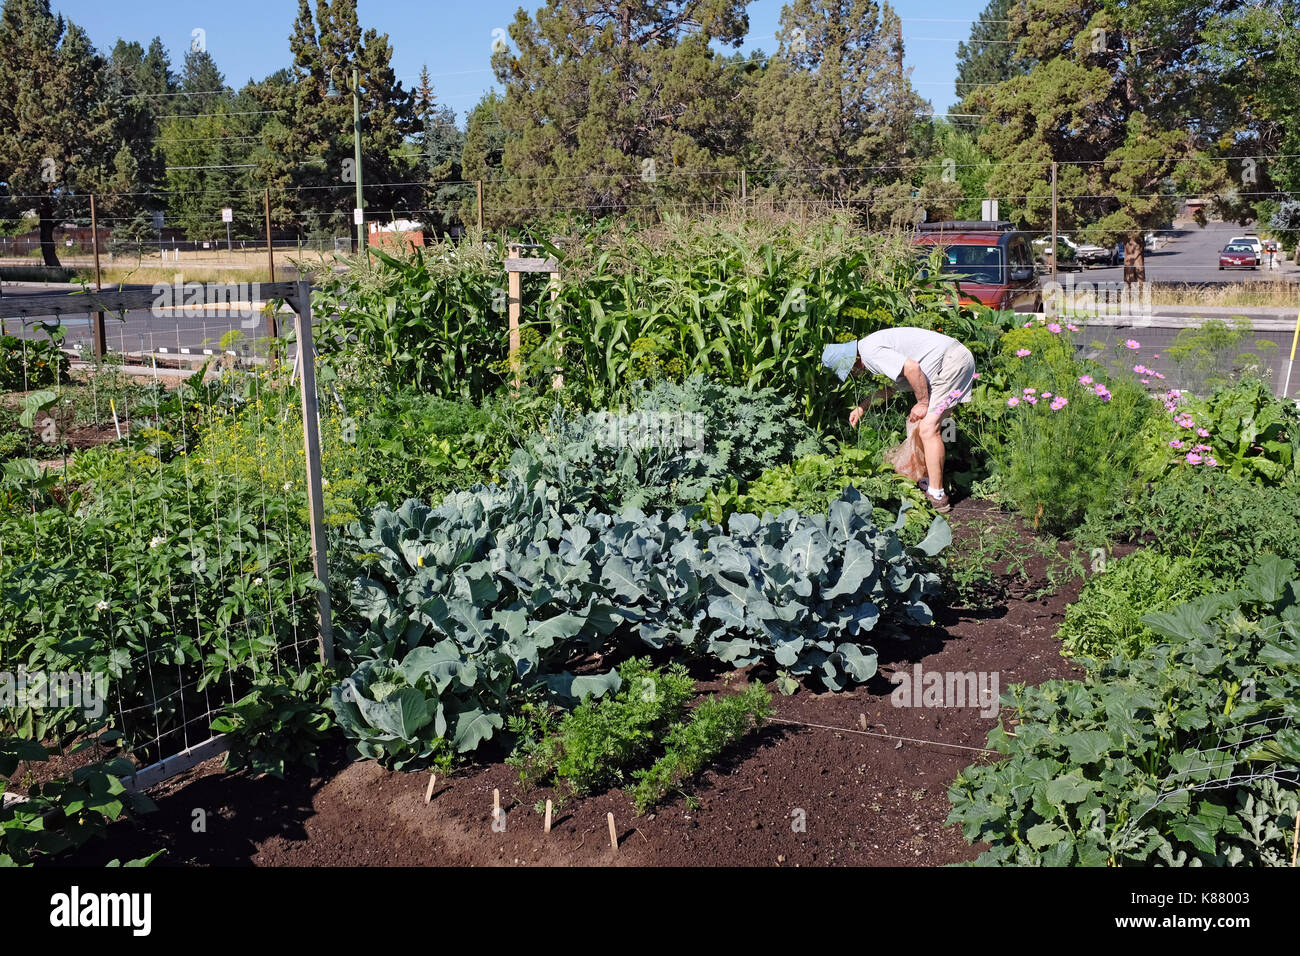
(812, 482)
(476, 606)
(281, 721)
(1062, 445)
(433, 318)
(1223, 523)
(601, 740)
(673, 446)
(27, 363)
(61, 814)
(1107, 618)
(1162, 758)
(716, 724)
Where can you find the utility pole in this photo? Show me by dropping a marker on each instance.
(356, 147)
(1054, 222)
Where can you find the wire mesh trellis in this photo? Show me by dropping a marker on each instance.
(176, 568)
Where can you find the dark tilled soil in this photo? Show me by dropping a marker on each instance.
(812, 788)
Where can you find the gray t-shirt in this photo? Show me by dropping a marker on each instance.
(884, 352)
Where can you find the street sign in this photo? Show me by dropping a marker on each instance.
(227, 215)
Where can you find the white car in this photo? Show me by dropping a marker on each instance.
(1253, 242)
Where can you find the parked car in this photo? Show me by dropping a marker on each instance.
(1067, 254)
(1250, 240)
(1081, 255)
(994, 262)
(1238, 255)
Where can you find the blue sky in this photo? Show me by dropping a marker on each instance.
(249, 38)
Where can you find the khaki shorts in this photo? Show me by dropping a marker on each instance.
(952, 383)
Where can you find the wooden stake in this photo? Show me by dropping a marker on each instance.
(312, 454)
(546, 828)
(496, 804)
(1295, 839)
(862, 721)
(479, 184)
(515, 308)
(98, 333)
(613, 831)
(433, 782)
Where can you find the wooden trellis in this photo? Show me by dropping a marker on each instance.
(516, 264)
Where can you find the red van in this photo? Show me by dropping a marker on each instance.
(995, 263)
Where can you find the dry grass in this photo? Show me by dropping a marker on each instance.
(1265, 292)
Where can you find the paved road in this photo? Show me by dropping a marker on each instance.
(163, 331)
(1190, 255)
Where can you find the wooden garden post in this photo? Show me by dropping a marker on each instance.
(311, 449)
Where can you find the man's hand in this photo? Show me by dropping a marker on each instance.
(855, 416)
(919, 411)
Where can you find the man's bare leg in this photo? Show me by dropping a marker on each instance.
(932, 443)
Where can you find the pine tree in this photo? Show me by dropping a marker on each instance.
(60, 128)
(1120, 95)
(309, 161)
(836, 112)
(619, 105)
(987, 58)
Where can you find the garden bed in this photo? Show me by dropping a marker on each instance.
(872, 798)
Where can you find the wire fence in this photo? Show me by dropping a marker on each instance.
(156, 550)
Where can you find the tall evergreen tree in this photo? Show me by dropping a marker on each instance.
(987, 58)
(438, 163)
(1117, 93)
(836, 108)
(311, 147)
(615, 105)
(483, 157)
(61, 132)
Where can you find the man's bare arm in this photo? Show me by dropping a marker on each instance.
(916, 378)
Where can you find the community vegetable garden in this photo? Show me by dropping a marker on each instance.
(646, 569)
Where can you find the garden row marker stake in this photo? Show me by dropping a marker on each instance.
(613, 832)
(546, 828)
(428, 793)
(311, 449)
(496, 803)
(1295, 839)
(514, 289)
(113, 407)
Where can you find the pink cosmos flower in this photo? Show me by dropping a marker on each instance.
(1021, 353)
(1054, 329)
(1202, 448)
(1085, 379)
(1175, 444)
(1072, 328)
(1047, 394)
(1146, 381)
(1027, 325)
(1031, 400)
(1202, 433)
(1030, 391)
(1132, 344)
(1059, 403)
(1013, 401)
(1193, 458)
(976, 375)
(1212, 463)
(1159, 376)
